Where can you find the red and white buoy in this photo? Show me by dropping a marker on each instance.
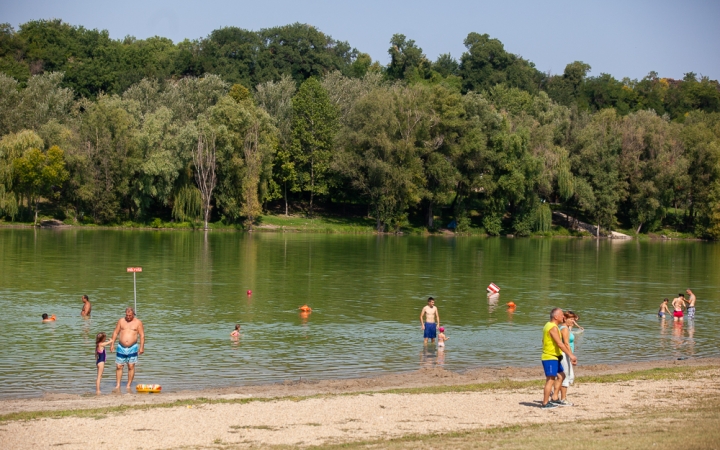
(493, 289)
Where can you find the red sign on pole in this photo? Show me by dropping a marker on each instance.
(134, 269)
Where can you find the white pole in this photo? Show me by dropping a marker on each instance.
(135, 291)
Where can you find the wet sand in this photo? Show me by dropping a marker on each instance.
(297, 388)
(343, 418)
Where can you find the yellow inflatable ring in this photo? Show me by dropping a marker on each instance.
(149, 388)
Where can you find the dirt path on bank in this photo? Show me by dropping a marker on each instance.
(344, 418)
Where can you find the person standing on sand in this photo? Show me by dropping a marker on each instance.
(663, 309)
(691, 304)
(568, 339)
(678, 305)
(87, 307)
(129, 328)
(552, 350)
(429, 325)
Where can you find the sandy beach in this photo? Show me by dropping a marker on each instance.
(340, 411)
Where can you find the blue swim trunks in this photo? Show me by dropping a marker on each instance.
(126, 355)
(552, 367)
(430, 330)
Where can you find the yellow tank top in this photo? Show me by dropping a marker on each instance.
(550, 348)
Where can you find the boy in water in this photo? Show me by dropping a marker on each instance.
(691, 304)
(663, 309)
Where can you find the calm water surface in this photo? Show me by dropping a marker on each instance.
(366, 293)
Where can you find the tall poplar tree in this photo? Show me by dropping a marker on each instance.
(315, 124)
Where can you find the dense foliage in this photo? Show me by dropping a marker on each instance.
(105, 131)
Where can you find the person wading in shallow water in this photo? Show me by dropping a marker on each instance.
(129, 328)
(552, 350)
(691, 304)
(87, 307)
(431, 316)
(678, 305)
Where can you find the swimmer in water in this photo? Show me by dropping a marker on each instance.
(46, 318)
(678, 305)
(432, 320)
(236, 331)
(663, 311)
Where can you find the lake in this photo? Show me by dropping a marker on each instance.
(366, 293)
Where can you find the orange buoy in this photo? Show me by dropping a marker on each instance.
(511, 305)
(305, 308)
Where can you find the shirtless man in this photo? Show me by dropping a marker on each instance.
(129, 328)
(87, 307)
(429, 325)
(691, 305)
(678, 305)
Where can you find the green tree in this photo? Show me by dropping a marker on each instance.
(315, 125)
(38, 173)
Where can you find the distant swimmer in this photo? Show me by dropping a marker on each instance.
(431, 320)
(678, 305)
(46, 318)
(691, 304)
(236, 331)
(87, 306)
(663, 311)
(130, 330)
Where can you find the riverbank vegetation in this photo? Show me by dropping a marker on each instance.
(289, 121)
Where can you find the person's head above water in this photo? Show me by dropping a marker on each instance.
(237, 326)
(666, 300)
(442, 329)
(44, 316)
(431, 301)
(129, 314)
(681, 295)
(85, 298)
(100, 338)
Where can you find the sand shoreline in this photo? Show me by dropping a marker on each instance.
(350, 412)
(304, 388)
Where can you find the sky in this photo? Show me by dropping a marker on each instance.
(624, 38)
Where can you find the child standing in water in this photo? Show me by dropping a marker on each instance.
(100, 344)
(236, 332)
(441, 337)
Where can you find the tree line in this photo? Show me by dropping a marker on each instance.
(227, 127)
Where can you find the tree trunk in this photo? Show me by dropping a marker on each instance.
(638, 228)
(36, 210)
(597, 231)
(286, 202)
(312, 184)
(430, 218)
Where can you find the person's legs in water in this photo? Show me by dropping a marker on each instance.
(131, 375)
(118, 375)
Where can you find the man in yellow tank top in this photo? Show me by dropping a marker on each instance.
(553, 347)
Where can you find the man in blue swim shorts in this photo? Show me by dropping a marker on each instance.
(130, 330)
(431, 320)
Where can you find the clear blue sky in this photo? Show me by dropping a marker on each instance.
(624, 38)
